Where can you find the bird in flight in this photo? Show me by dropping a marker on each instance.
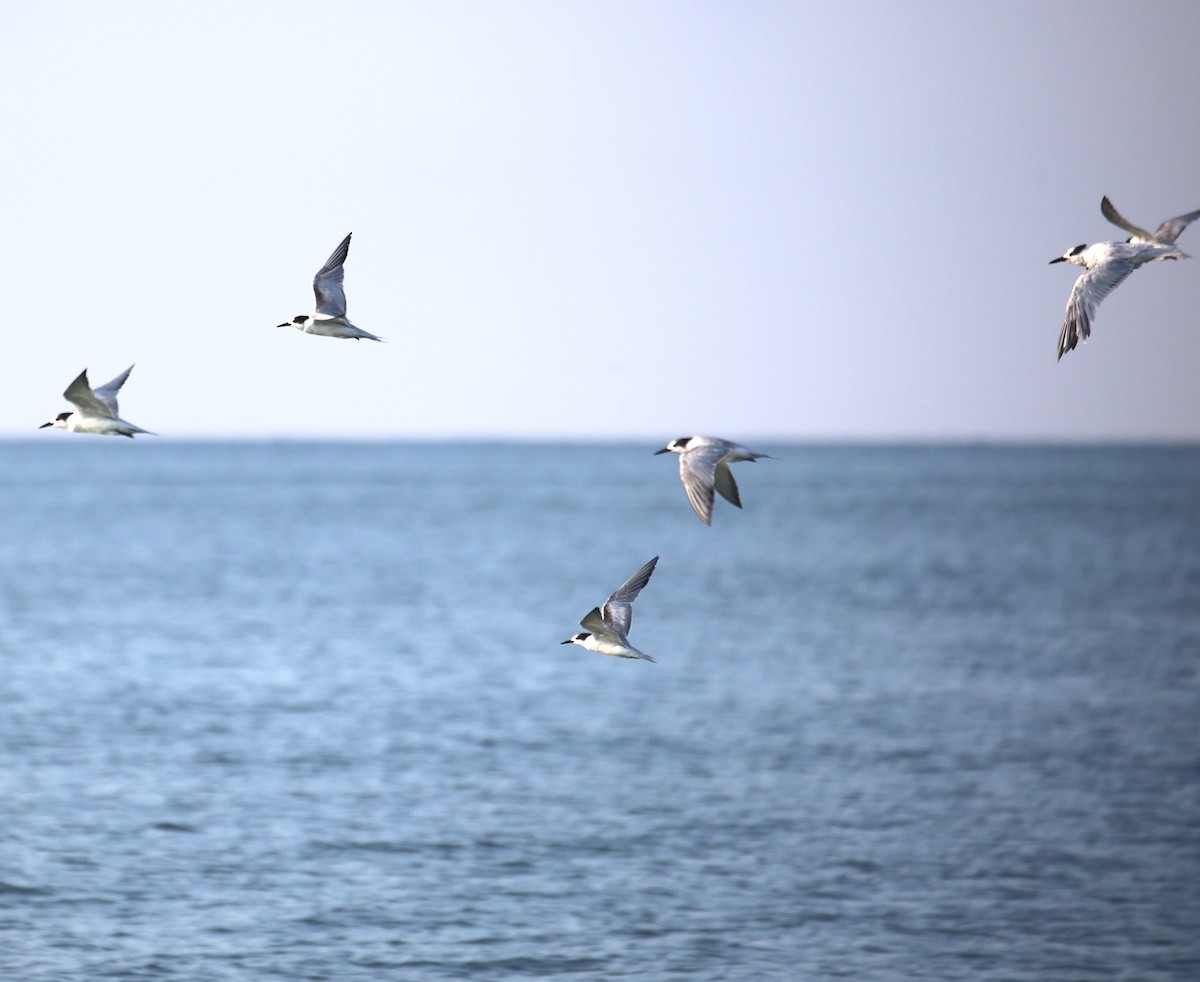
(95, 409)
(330, 319)
(704, 466)
(1107, 265)
(608, 626)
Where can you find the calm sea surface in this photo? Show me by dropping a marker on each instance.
(300, 711)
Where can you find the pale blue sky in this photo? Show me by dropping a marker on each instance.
(761, 220)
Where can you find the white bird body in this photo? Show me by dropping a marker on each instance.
(608, 627)
(101, 425)
(334, 327)
(1108, 264)
(330, 318)
(704, 468)
(618, 649)
(95, 409)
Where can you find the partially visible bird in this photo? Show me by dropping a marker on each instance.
(1108, 264)
(608, 627)
(95, 409)
(330, 318)
(704, 465)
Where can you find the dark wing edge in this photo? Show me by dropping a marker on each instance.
(337, 257)
(594, 622)
(725, 484)
(1109, 211)
(1075, 325)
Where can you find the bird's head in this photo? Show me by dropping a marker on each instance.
(59, 422)
(1071, 255)
(679, 445)
(579, 638)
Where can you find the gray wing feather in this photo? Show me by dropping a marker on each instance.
(697, 470)
(594, 622)
(327, 284)
(1110, 212)
(725, 484)
(1172, 228)
(107, 393)
(1166, 233)
(618, 609)
(80, 394)
(1092, 287)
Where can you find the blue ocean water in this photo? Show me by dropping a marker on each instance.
(299, 711)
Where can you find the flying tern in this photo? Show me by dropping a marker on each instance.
(330, 318)
(608, 627)
(1107, 265)
(704, 466)
(95, 409)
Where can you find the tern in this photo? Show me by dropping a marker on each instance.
(608, 627)
(95, 409)
(330, 318)
(704, 466)
(1107, 264)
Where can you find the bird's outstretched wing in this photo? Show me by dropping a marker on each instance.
(327, 284)
(594, 622)
(107, 393)
(1092, 287)
(618, 608)
(1165, 234)
(1172, 228)
(698, 469)
(80, 394)
(725, 484)
(1110, 212)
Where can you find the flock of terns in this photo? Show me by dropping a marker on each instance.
(703, 460)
